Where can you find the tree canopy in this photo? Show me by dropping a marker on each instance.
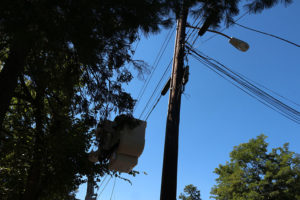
(254, 173)
(67, 58)
(190, 193)
(95, 30)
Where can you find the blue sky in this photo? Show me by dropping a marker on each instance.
(215, 115)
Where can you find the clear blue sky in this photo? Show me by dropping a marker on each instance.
(215, 115)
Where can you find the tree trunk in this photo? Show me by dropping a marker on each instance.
(90, 195)
(33, 185)
(13, 67)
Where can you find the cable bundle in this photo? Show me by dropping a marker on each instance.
(246, 85)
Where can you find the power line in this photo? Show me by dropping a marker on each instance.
(155, 65)
(156, 88)
(246, 86)
(268, 34)
(266, 99)
(211, 37)
(278, 106)
(160, 81)
(102, 181)
(113, 188)
(157, 99)
(153, 108)
(270, 90)
(104, 186)
(136, 46)
(192, 32)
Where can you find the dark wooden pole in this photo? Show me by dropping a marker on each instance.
(170, 162)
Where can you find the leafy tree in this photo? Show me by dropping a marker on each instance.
(62, 70)
(90, 28)
(49, 126)
(44, 153)
(190, 193)
(254, 174)
(99, 32)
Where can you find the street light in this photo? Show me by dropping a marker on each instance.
(237, 43)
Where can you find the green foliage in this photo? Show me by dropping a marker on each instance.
(190, 193)
(253, 173)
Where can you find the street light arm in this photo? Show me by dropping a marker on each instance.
(213, 31)
(220, 33)
(239, 44)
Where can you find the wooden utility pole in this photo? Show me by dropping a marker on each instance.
(170, 162)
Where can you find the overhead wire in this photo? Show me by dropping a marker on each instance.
(190, 34)
(270, 90)
(155, 65)
(113, 188)
(194, 37)
(157, 99)
(153, 107)
(239, 87)
(239, 18)
(104, 186)
(156, 88)
(103, 181)
(193, 30)
(268, 34)
(245, 85)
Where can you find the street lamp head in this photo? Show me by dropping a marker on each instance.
(239, 44)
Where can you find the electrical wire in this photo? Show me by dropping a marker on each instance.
(104, 186)
(211, 37)
(256, 82)
(113, 188)
(193, 30)
(156, 88)
(245, 85)
(270, 90)
(241, 88)
(238, 80)
(157, 99)
(155, 65)
(159, 83)
(153, 108)
(268, 34)
(102, 181)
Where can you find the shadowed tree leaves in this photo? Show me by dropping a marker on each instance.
(64, 63)
(216, 11)
(49, 126)
(98, 32)
(95, 30)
